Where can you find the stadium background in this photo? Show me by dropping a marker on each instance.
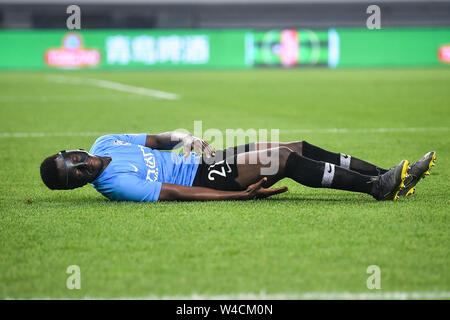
(309, 68)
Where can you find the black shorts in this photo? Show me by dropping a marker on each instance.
(221, 171)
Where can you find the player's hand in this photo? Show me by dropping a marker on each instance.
(198, 145)
(256, 190)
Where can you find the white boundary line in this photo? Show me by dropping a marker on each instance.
(365, 130)
(395, 295)
(49, 134)
(304, 296)
(115, 86)
(285, 131)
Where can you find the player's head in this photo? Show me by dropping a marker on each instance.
(70, 169)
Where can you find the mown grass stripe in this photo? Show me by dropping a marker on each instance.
(286, 131)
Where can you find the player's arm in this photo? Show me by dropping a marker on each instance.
(173, 192)
(173, 139)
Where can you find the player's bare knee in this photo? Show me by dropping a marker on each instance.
(283, 154)
(295, 146)
(300, 147)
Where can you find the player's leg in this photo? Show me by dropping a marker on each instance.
(309, 172)
(255, 146)
(310, 151)
(313, 152)
(316, 174)
(254, 165)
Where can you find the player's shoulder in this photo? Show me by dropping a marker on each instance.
(101, 142)
(104, 138)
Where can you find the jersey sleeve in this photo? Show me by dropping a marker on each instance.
(132, 138)
(132, 188)
(138, 139)
(105, 141)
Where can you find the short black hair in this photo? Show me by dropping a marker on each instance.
(49, 173)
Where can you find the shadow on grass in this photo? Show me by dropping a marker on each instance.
(71, 201)
(99, 201)
(322, 200)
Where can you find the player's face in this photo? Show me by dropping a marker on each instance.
(77, 167)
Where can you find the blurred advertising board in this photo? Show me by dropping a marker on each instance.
(293, 48)
(122, 49)
(225, 49)
(395, 47)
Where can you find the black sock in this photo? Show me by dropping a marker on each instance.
(341, 159)
(304, 170)
(317, 174)
(319, 154)
(364, 167)
(350, 180)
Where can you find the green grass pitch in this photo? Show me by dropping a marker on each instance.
(306, 240)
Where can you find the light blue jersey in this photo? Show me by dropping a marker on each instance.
(136, 173)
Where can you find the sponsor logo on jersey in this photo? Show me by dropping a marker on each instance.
(150, 162)
(121, 143)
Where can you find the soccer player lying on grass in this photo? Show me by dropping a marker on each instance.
(132, 167)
